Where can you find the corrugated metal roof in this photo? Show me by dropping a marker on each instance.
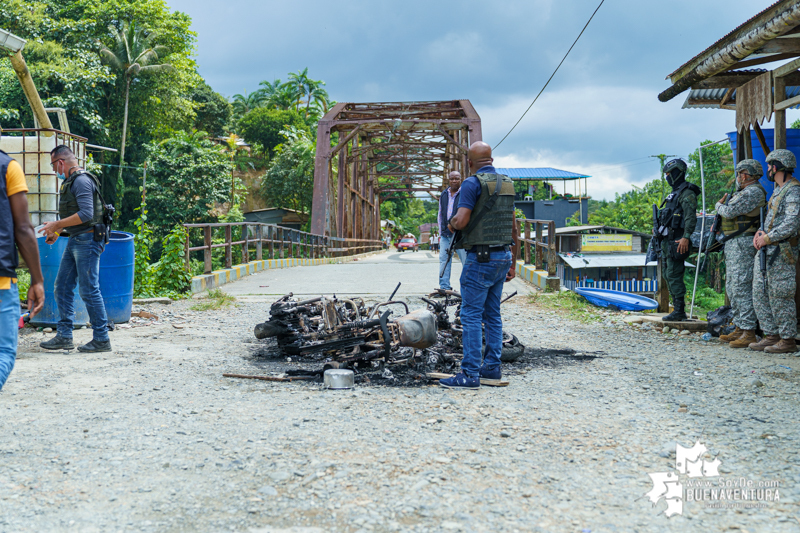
(729, 36)
(540, 173)
(717, 94)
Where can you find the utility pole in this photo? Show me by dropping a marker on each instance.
(662, 294)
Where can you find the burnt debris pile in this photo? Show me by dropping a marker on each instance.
(386, 339)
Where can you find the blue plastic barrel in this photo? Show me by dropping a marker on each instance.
(116, 280)
(792, 143)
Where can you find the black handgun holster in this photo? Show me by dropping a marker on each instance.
(482, 253)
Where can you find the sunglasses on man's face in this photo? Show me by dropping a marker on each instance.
(53, 163)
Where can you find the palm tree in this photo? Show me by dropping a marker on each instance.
(242, 104)
(269, 91)
(300, 81)
(319, 96)
(287, 97)
(306, 87)
(133, 53)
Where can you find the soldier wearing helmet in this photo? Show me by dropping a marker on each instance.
(677, 220)
(773, 293)
(740, 218)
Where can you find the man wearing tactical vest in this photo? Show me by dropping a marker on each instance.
(485, 218)
(773, 291)
(677, 220)
(81, 217)
(740, 219)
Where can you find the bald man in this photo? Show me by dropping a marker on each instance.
(485, 217)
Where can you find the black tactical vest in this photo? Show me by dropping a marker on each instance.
(9, 260)
(671, 215)
(68, 203)
(495, 227)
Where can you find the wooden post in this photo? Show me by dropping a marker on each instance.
(207, 250)
(662, 293)
(527, 245)
(280, 242)
(271, 241)
(551, 249)
(748, 144)
(228, 247)
(537, 250)
(780, 116)
(246, 245)
(186, 256)
(259, 242)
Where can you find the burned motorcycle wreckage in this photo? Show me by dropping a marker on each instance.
(346, 332)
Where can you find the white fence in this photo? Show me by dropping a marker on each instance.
(625, 286)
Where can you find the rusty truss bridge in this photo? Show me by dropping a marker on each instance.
(382, 151)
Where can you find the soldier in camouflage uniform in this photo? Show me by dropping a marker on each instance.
(677, 220)
(773, 294)
(740, 218)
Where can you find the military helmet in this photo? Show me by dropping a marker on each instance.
(673, 164)
(786, 159)
(750, 166)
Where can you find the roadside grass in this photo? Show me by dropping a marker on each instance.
(569, 303)
(215, 300)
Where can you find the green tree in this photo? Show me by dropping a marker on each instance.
(289, 181)
(213, 110)
(632, 210)
(133, 53)
(718, 170)
(266, 126)
(244, 103)
(190, 177)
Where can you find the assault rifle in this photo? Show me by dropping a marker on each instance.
(762, 252)
(712, 233)
(654, 248)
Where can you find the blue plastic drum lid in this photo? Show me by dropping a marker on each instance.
(116, 280)
(792, 143)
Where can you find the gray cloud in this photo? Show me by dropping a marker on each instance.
(600, 110)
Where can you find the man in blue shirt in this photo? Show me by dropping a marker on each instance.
(448, 205)
(487, 198)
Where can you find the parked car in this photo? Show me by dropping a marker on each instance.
(408, 243)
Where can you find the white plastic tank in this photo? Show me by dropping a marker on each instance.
(31, 149)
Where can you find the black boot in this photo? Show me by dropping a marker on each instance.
(678, 314)
(57, 343)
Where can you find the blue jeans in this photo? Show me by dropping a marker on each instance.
(444, 248)
(9, 330)
(481, 290)
(81, 264)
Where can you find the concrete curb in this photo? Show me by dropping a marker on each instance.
(535, 277)
(218, 278)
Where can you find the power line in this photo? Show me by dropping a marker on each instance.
(552, 75)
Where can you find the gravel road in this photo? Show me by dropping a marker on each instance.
(151, 437)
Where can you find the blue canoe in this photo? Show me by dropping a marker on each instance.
(624, 301)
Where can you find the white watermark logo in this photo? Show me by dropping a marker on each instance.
(689, 483)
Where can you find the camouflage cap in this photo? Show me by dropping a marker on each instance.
(784, 157)
(750, 166)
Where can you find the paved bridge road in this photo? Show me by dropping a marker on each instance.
(375, 275)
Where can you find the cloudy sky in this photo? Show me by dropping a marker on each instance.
(600, 115)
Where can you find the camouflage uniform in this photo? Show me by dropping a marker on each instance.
(739, 253)
(675, 268)
(774, 300)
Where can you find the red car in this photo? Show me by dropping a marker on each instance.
(407, 243)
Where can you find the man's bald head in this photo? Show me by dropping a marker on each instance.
(480, 155)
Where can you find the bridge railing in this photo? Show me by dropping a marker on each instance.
(265, 241)
(534, 245)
